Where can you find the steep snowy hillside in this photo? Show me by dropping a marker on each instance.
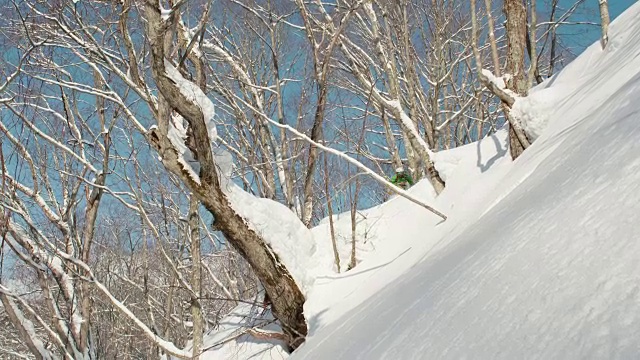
(539, 258)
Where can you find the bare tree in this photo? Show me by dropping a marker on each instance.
(87, 204)
(516, 82)
(286, 297)
(69, 133)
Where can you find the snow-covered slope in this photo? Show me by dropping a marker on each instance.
(539, 258)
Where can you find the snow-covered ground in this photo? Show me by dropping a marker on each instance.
(231, 339)
(539, 257)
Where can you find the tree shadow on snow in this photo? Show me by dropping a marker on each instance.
(500, 152)
(352, 273)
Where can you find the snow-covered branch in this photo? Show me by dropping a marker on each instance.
(364, 168)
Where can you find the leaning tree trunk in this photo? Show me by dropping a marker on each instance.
(286, 298)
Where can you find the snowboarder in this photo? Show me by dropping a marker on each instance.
(402, 179)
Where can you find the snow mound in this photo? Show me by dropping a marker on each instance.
(533, 111)
(292, 243)
(282, 229)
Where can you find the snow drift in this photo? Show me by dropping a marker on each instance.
(545, 264)
(538, 259)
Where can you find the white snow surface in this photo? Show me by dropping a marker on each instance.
(292, 243)
(534, 111)
(229, 340)
(194, 94)
(498, 81)
(538, 257)
(282, 229)
(177, 132)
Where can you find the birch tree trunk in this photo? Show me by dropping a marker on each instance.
(604, 22)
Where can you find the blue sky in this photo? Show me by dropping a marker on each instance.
(579, 37)
(616, 7)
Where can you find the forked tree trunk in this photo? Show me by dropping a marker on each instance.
(286, 298)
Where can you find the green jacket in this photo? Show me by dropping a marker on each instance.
(400, 178)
